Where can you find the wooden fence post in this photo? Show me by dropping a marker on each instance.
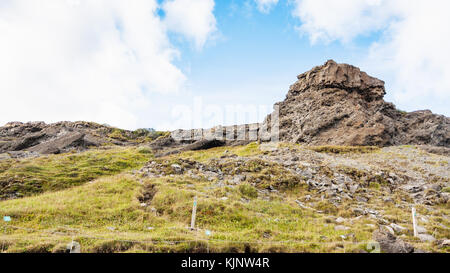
(413, 212)
(194, 214)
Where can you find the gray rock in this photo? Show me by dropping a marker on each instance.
(421, 229)
(358, 211)
(354, 188)
(237, 179)
(389, 229)
(426, 238)
(362, 199)
(391, 244)
(443, 243)
(398, 228)
(341, 228)
(177, 168)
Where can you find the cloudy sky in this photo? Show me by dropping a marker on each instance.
(145, 63)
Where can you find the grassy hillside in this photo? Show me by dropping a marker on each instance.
(97, 200)
(25, 177)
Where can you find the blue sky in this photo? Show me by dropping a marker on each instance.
(255, 57)
(149, 63)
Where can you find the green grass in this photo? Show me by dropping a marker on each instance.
(121, 212)
(55, 172)
(205, 155)
(90, 211)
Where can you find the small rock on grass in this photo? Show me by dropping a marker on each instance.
(340, 227)
(426, 238)
(398, 228)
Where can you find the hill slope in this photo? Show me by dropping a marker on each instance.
(268, 198)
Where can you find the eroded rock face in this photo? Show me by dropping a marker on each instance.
(34, 138)
(337, 104)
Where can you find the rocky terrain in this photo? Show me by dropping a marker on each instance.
(336, 104)
(19, 139)
(363, 183)
(343, 175)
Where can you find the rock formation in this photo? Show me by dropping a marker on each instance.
(337, 104)
(34, 138)
(333, 104)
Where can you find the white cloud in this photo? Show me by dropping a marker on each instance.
(265, 6)
(86, 60)
(192, 18)
(328, 20)
(412, 51)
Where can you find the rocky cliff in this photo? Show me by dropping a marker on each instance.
(339, 104)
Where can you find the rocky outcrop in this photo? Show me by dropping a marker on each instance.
(333, 104)
(337, 104)
(34, 138)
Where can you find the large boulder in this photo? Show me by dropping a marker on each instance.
(391, 244)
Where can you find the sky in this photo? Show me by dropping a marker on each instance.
(169, 64)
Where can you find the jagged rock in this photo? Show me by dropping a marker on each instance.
(333, 104)
(337, 104)
(60, 137)
(391, 244)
